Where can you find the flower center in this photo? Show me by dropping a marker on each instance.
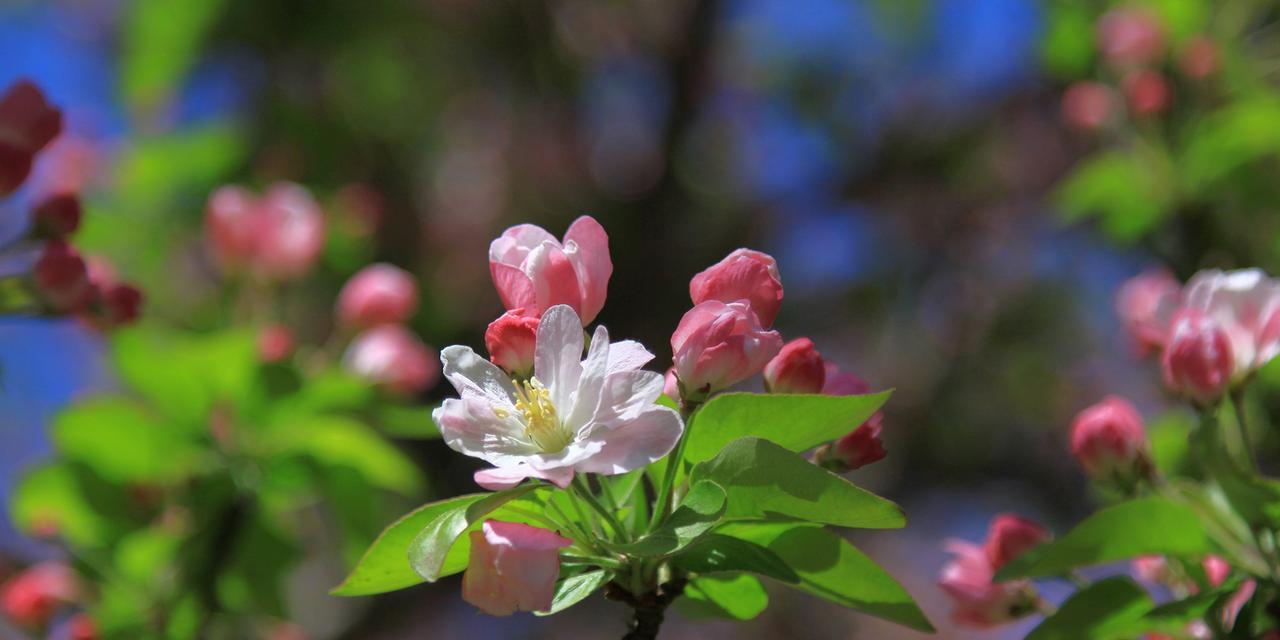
(541, 424)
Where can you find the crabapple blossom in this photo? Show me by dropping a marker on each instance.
(859, 447)
(394, 358)
(231, 226)
(62, 278)
(277, 236)
(275, 343)
(31, 597)
(534, 271)
(719, 344)
(1147, 92)
(1009, 536)
(27, 124)
(798, 368)
(56, 216)
(1197, 361)
(1130, 37)
(1246, 304)
(1199, 58)
(510, 340)
(596, 415)
(744, 274)
(1146, 304)
(512, 567)
(1109, 441)
(977, 600)
(1088, 105)
(377, 294)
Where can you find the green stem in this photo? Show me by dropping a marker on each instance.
(608, 563)
(666, 491)
(1242, 426)
(536, 517)
(580, 535)
(584, 491)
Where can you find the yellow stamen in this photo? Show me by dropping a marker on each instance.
(542, 426)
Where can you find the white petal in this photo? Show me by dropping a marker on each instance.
(468, 372)
(557, 355)
(470, 426)
(500, 478)
(635, 444)
(627, 355)
(626, 395)
(587, 398)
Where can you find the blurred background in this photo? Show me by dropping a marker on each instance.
(954, 190)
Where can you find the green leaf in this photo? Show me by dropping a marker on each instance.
(1170, 618)
(183, 375)
(343, 442)
(1169, 448)
(407, 421)
(430, 548)
(1126, 191)
(123, 442)
(718, 553)
(737, 597)
(161, 42)
(1066, 49)
(1147, 526)
(1093, 609)
(50, 497)
(700, 510)
(1223, 141)
(831, 568)
(796, 422)
(764, 480)
(385, 565)
(575, 589)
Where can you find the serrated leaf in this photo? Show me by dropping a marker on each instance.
(718, 553)
(1092, 610)
(764, 480)
(575, 589)
(795, 422)
(1147, 526)
(700, 510)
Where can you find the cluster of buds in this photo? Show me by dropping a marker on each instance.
(1132, 43)
(977, 600)
(61, 281)
(276, 236)
(377, 302)
(31, 599)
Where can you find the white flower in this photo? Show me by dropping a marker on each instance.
(1246, 303)
(596, 415)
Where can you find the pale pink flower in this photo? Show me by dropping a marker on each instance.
(596, 415)
(1088, 105)
(718, 344)
(275, 343)
(1197, 361)
(977, 601)
(511, 340)
(1009, 536)
(1109, 441)
(744, 274)
(1216, 569)
(798, 368)
(292, 232)
(1246, 304)
(394, 358)
(1130, 37)
(377, 294)
(512, 567)
(534, 271)
(1146, 304)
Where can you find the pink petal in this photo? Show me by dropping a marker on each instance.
(635, 444)
(514, 287)
(592, 262)
(500, 478)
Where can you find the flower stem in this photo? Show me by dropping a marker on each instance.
(666, 489)
(1242, 426)
(584, 491)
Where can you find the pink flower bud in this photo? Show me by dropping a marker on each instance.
(31, 597)
(118, 305)
(1146, 304)
(1246, 304)
(377, 294)
(231, 226)
(82, 627)
(671, 385)
(513, 567)
(1147, 92)
(742, 275)
(394, 358)
(854, 450)
(27, 125)
(292, 233)
(1088, 106)
(1130, 37)
(275, 343)
(510, 340)
(1216, 570)
(57, 216)
(62, 278)
(798, 368)
(1108, 440)
(1198, 361)
(976, 600)
(1199, 58)
(533, 271)
(1009, 536)
(15, 166)
(717, 345)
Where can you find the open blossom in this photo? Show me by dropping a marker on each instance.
(744, 274)
(596, 415)
(512, 567)
(798, 368)
(1146, 304)
(510, 340)
(1109, 441)
(377, 294)
(277, 236)
(534, 271)
(978, 601)
(394, 358)
(27, 124)
(31, 597)
(718, 344)
(1197, 361)
(1009, 536)
(1246, 304)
